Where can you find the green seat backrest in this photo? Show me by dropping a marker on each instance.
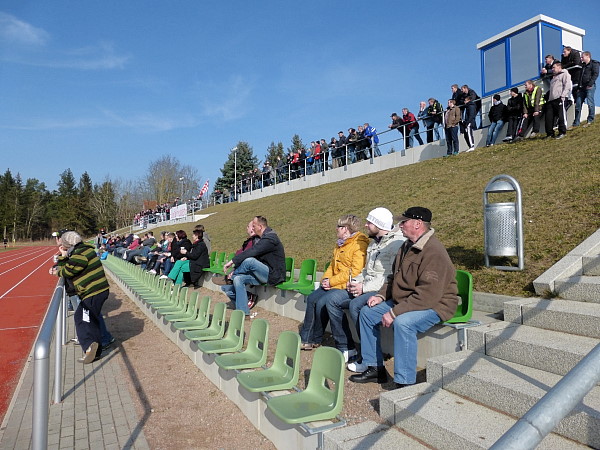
(203, 308)
(211, 257)
(308, 272)
(233, 339)
(289, 269)
(464, 310)
(255, 354)
(218, 316)
(328, 364)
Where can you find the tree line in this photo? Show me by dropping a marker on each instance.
(30, 212)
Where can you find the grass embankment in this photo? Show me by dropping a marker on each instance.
(560, 181)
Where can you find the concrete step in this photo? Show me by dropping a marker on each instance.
(566, 316)
(445, 420)
(513, 389)
(552, 351)
(369, 435)
(581, 288)
(591, 265)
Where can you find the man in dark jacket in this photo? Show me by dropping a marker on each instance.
(420, 292)
(497, 116)
(262, 263)
(469, 114)
(587, 87)
(514, 108)
(571, 62)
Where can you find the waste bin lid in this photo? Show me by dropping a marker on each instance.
(499, 186)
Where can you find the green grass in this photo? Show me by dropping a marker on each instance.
(560, 181)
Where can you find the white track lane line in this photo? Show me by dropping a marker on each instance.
(27, 276)
(28, 261)
(21, 256)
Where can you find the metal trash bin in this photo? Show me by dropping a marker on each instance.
(503, 223)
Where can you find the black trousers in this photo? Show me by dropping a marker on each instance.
(556, 108)
(87, 322)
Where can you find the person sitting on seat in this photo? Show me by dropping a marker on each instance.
(347, 262)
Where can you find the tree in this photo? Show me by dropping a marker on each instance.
(34, 210)
(166, 178)
(273, 152)
(64, 211)
(87, 219)
(241, 158)
(296, 144)
(103, 203)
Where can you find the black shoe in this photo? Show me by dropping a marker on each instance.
(108, 344)
(400, 385)
(372, 374)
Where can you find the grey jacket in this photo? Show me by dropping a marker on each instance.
(380, 256)
(560, 86)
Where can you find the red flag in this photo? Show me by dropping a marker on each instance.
(204, 189)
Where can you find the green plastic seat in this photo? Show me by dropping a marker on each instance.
(221, 270)
(211, 258)
(169, 297)
(188, 314)
(284, 372)
(234, 338)
(199, 322)
(255, 354)
(215, 330)
(322, 399)
(464, 310)
(289, 270)
(178, 305)
(218, 263)
(306, 278)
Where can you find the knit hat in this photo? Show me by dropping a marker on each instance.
(382, 218)
(70, 239)
(515, 90)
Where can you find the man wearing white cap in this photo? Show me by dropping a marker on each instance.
(380, 254)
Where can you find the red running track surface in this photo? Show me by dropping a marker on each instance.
(26, 289)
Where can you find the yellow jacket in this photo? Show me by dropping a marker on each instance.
(350, 256)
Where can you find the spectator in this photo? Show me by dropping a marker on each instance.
(457, 96)
(420, 292)
(497, 115)
(468, 92)
(177, 245)
(335, 153)
(325, 149)
(352, 141)
(468, 123)
(452, 120)
(423, 116)
(371, 134)
(342, 148)
(164, 258)
(318, 157)
(571, 62)
(198, 260)
(412, 128)
(248, 243)
(547, 71)
(532, 109)
(396, 124)
(140, 254)
(381, 252)
(435, 111)
(515, 113)
(263, 263)
(587, 88)
(362, 144)
(205, 236)
(560, 88)
(347, 262)
(79, 263)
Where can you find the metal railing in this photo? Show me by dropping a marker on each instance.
(543, 417)
(54, 326)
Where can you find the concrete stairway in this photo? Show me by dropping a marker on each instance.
(474, 396)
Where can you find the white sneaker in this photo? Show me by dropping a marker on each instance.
(164, 277)
(357, 367)
(349, 354)
(470, 149)
(153, 272)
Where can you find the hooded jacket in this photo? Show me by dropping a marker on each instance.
(381, 253)
(269, 251)
(347, 258)
(560, 86)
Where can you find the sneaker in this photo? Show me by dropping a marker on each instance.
(251, 300)
(560, 136)
(470, 149)
(221, 280)
(152, 271)
(108, 344)
(533, 134)
(357, 367)
(74, 340)
(349, 354)
(587, 124)
(164, 277)
(90, 354)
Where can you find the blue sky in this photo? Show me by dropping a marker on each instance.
(107, 87)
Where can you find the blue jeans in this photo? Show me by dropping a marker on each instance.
(493, 132)
(406, 326)
(316, 317)
(585, 95)
(338, 319)
(251, 271)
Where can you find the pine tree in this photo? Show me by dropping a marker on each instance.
(65, 204)
(242, 158)
(274, 151)
(87, 219)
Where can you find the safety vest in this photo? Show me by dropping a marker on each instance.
(529, 97)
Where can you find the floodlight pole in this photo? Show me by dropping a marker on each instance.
(181, 179)
(234, 149)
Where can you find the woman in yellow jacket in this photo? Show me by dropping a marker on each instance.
(347, 262)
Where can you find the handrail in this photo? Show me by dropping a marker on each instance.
(541, 419)
(41, 366)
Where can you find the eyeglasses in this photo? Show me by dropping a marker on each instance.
(341, 226)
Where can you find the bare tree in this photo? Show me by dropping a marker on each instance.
(166, 179)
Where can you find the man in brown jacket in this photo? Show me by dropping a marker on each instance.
(420, 292)
(452, 119)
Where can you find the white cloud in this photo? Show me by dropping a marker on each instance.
(228, 100)
(16, 31)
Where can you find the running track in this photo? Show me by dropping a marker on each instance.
(26, 289)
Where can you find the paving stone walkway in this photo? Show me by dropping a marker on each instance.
(97, 411)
